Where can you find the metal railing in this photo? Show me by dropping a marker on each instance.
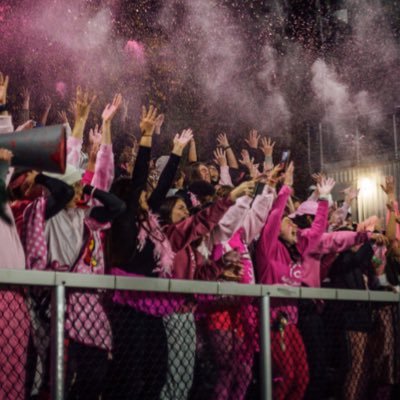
(59, 283)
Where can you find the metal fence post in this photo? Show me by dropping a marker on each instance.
(57, 343)
(266, 358)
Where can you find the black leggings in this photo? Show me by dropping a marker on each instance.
(86, 371)
(140, 352)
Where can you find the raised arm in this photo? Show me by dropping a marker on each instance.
(392, 230)
(320, 223)
(192, 156)
(141, 168)
(252, 141)
(81, 108)
(60, 194)
(267, 147)
(270, 233)
(47, 108)
(104, 169)
(168, 175)
(223, 142)
(111, 207)
(247, 214)
(220, 159)
(23, 113)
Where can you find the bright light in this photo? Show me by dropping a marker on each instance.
(367, 187)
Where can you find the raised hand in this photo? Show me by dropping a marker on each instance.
(47, 102)
(111, 109)
(82, 104)
(267, 146)
(246, 160)
(288, 180)
(4, 80)
(244, 189)
(389, 188)
(63, 117)
(350, 194)
(274, 175)
(220, 157)
(94, 149)
(318, 177)
(326, 186)
(222, 140)
(159, 122)
(148, 121)
(95, 136)
(181, 141)
(6, 155)
(26, 97)
(124, 110)
(252, 139)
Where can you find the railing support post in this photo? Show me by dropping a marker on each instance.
(57, 343)
(265, 341)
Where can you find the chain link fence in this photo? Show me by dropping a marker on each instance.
(194, 340)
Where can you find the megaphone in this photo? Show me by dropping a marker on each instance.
(43, 149)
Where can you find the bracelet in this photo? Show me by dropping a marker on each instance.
(3, 107)
(227, 147)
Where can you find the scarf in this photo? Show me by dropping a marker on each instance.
(163, 252)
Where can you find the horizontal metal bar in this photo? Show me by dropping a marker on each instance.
(27, 277)
(69, 279)
(142, 284)
(48, 278)
(383, 296)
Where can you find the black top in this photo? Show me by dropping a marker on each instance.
(123, 241)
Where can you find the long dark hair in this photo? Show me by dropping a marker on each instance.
(165, 211)
(192, 173)
(122, 237)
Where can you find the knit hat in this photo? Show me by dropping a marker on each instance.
(306, 208)
(71, 176)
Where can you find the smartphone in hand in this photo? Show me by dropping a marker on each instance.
(285, 160)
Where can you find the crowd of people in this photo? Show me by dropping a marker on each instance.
(221, 219)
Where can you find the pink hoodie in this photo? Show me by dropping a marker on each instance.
(274, 264)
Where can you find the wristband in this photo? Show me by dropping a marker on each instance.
(268, 159)
(227, 147)
(3, 107)
(324, 197)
